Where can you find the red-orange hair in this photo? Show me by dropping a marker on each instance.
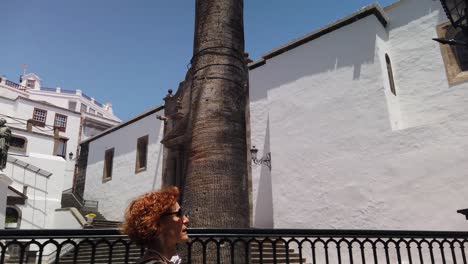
(141, 222)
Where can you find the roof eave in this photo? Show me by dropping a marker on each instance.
(123, 124)
(372, 9)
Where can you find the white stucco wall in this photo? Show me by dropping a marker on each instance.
(424, 94)
(125, 185)
(22, 109)
(43, 193)
(41, 142)
(68, 218)
(345, 152)
(58, 99)
(9, 92)
(61, 99)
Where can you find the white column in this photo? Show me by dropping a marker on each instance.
(4, 182)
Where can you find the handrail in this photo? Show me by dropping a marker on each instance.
(251, 245)
(29, 167)
(47, 89)
(83, 203)
(76, 199)
(98, 103)
(240, 232)
(15, 85)
(68, 91)
(86, 96)
(91, 204)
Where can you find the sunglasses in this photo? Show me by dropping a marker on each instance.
(178, 213)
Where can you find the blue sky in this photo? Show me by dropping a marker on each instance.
(129, 52)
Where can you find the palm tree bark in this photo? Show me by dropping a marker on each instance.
(216, 186)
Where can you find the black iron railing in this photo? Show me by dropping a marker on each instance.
(15, 85)
(77, 200)
(98, 103)
(47, 89)
(86, 96)
(68, 91)
(241, 246)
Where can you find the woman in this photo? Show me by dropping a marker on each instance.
(156, 222)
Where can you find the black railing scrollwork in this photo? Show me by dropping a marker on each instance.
(241, 246)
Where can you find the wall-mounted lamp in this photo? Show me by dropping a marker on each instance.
(464, 212)
(266, 159)
(70, 156)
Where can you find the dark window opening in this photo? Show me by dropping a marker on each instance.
(18, 143)
(11, 218)
(108, 163)
(72, 105)
(141, 154)
(30, 83)
(60, 148)
(390, 74)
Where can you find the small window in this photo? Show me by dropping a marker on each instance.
(92, 111)
(454, 57)
(60, 147)
(83, 108)
(72, 105)
(18, 143)
(108, 162)
(12, 218)
(141, 154)
(39, 116)
(60, 122)
(30, 83)
(100, 114)
(390, 74)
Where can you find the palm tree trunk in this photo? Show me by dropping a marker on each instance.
(216, 186)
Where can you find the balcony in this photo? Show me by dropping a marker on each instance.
(14, 85)
(241, 246)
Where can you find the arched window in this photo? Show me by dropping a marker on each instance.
(12, 218)
(390, 74)
(18, 143)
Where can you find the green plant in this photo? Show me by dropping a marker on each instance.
(10, 219)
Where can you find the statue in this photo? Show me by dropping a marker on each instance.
(5, 136)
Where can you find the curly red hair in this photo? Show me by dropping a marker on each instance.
(141, 222)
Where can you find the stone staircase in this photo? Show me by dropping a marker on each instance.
(28, 258)
(70, 199)
(100, 221)
(267, 254)
(119, 255)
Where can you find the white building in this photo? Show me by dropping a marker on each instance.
(96, 117)
(124, 162)
(46, 128)
(365, 120)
